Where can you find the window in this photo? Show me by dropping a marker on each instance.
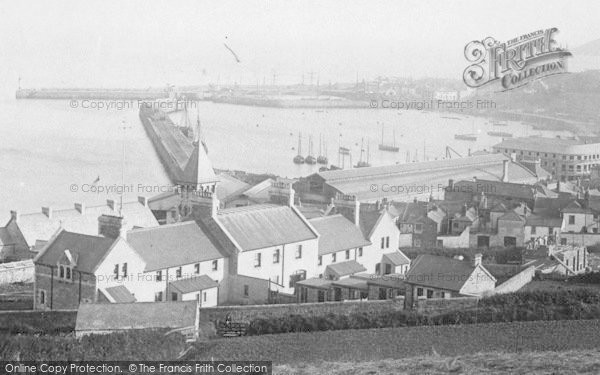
(68, 273)
(173, 296)
(276, 256)
(158, 275)
(178, 273)
(383, 242)
(571, 219)
(65, 272)
(299, 252)
(124, 270)
(257, 260)
(204, 296)
(321, 296)
(419, 292)
(320, 260)
(533, 229)
(429, 293)
(387, 242)
(158, 296)
(246, 290)
(61, 272)
(347, 254)
(563, 241)
(197, 268)
(360, 251)
(443, 294)
(42, 298)
(333, 257)
(418, 228)
(116, 271)
(215, 265)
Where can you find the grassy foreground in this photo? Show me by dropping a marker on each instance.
(298, 349)
(531, 363)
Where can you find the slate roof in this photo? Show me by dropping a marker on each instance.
(174, 245)
(543, 221)
(357, 181)
(260, 190)
(37, 226)
(440, 272)
(336, 233)
(194, 284)
(368, 220)
(397, 258)
(5, 237)
(346, 268)
(89, 250)
(511, 216)
(230, 187)
(145, 315)
(259, 226)
(120, 294)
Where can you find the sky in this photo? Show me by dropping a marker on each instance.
(152, 43)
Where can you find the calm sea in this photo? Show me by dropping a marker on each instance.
(47, 147)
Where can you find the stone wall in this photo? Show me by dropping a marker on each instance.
(249, 313)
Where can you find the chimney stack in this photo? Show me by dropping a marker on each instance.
(477, 259)
(111, 226)
(80, 207)
(47, 211)
(214, 205)
(143, 201)
(14, 215)
(111, 204)
(292, 195)
(450, 184)
(504, 170)
(357, 213)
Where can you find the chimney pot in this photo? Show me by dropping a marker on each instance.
(14, 215)
(80, 207)
(111, 204)
(477, 259)
(47, 211)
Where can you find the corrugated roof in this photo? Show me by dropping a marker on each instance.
(439, 272)
(336, 233)
(549, 145)
(346, 268)
(397, 258)
(194, 284)
(259, 226)
(174, 245)
(37, 226)
(352, 283)
(315, 282)
(123, 316)
(431, 175)
(89, 250)
(120, 294)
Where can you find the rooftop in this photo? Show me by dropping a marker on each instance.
(336, 233)
(119, 294)
(397, 258)
(346, 268)
(264, 225)
(174, 245)
(551, 145)
(194, 284)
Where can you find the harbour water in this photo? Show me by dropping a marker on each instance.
(47, 147)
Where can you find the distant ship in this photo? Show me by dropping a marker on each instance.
(299, 159)
(310, 159)
(466, 137)
(387, 147)
(362, 163)
(322, 158)
(500, 134)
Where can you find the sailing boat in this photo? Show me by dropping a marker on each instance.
(392, 147)
(310, 159)
(322, 158)
(299, 159)
(361, 163)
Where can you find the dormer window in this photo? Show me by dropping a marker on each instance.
(65, 272)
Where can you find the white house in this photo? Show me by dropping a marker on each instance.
(380, 229)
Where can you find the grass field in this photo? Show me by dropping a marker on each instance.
(531, 363)
(556, 285)
(397, 343)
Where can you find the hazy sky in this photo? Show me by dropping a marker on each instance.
(143, 43)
